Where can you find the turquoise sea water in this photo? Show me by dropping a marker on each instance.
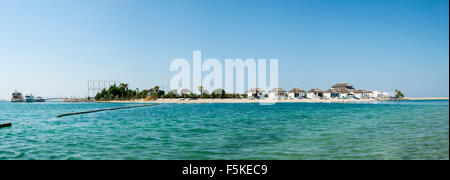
(387, 130)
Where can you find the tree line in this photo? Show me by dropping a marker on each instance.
(122, 92)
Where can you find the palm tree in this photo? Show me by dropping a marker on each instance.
(156, 91)
(123, 86)
(399, 94)
(200, 88)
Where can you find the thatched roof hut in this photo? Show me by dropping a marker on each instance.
(315, 90)
(277, 90)
(342, 85)
(296, 90)
(361, 91)
(343, 90)
(255, 91)
(332, 91)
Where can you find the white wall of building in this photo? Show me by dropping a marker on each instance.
(379, 94)
(274, 95)
(292, 95)
(259, 96)
(312, 96)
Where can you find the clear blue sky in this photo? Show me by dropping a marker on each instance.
(53, 47)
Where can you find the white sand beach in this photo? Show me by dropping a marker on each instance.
(199, 101)
(428, 98)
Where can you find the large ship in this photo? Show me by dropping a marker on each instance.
(17, 97)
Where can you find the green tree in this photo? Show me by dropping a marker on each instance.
(399, 94)
(219, 93)
(155, 92)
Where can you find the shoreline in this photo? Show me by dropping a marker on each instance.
(205, 101)
(429, 98)
(226, 101)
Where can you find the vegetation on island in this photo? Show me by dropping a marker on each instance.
(399, 94)
(122, 92)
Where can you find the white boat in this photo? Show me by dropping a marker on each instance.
(17, 97)
(29, 98)
(39, 99)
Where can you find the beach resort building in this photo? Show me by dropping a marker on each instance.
(362, 94)
(255, 93)
(379, 94)
(368, 94)
(314, 94)
(332, 93)
(296, 93)
(340, 90)
(346, 91)
(277, 93)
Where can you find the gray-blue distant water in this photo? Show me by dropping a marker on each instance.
(382, 130)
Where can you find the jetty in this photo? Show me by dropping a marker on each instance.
(74, 100)
(107, 109)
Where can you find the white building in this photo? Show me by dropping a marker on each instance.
(277, 93)
(332, 93)
(314, 94)
(362, 94)
(379, 94)
(297, 93)
(255, 93)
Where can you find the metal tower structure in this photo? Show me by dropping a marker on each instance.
(95, 86)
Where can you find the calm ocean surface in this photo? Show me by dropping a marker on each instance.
(384, 130)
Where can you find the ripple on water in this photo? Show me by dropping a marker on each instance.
(392, 130)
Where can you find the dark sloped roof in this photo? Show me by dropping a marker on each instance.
(296, 90)
(342, 85)
(361, 91)
(255, 90)
(315, 90)
(278, 90)
(332, 91)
